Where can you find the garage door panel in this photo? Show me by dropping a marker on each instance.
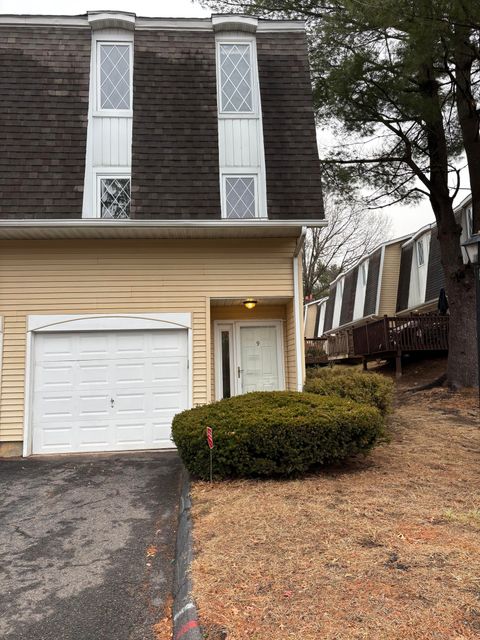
(89, 345)
(162, 344)
(109, 391)
(93, 374)
(95, 405)
(56, 376)
(58, 438)
(130, 373)
(161, 435)
(127, 403)
(169, 371)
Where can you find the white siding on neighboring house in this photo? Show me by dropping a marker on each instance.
(321, 321)
(360, 290)
(109, 135)
(240, 131)
(338, 303)
(419, 270)
(466, 220)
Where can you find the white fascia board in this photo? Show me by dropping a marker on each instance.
(464, 203)
(44, 21)
(174, 24)
(422, 231)
(265, 26)
(177, 24)
(144, 224)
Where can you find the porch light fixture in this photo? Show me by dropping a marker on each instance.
(472, 249)
(250, 303)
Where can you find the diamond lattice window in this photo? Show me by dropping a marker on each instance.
(114, 76)
(236, 78)
(115, 198)
(240, 197)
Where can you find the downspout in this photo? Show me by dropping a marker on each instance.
(296, 309)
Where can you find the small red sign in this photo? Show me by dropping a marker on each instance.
(210, 437)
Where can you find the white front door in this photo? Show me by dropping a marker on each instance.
(258, 358)
(249, 357)
(107, 390)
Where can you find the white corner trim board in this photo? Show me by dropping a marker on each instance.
(104, 322)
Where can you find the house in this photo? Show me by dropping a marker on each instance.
(157, 179)
(364, 292)
(421, 273)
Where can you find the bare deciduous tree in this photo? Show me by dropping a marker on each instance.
(352, 233)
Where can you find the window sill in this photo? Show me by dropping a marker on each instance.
(113, 113)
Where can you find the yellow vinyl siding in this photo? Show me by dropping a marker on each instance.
(390, 276)
(311, 313)
(128, 276)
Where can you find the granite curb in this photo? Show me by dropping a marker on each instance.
(185, 616)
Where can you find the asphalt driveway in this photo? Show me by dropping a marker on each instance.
(86, 546)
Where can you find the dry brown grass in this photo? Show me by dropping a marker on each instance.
(386, 549)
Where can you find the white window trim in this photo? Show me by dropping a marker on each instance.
(98, 111)
(239, 39)
(96, 322)
(244, 173)
(108, 173)
(235, 383)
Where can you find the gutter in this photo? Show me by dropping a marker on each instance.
(141, 224)
(296, 309)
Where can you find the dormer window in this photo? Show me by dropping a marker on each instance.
(114, 192)
(363, 271)
(236, 91)
(469, 222)
(420, 253)
(240, 197)
(114, 76)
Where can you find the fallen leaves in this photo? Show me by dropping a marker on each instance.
(385, 548)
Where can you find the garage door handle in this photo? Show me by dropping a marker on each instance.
(112, 402)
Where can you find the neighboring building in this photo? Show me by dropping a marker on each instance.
(400, 278)
(421, 273)
(367, 290)
(155, 173)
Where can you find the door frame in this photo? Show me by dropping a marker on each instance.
(234, 327)
(74, 323)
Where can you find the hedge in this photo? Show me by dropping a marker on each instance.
(366, 388)
(278, 433)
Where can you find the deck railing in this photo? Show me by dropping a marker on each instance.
(340, 345)
(426, 332)
(315, 350)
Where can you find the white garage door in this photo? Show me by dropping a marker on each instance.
(107, 390)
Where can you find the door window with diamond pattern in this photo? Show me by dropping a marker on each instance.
(240, 197)
(236, 78)
(114, 76)
(115, 198)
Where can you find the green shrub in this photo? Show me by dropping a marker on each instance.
(366, 388)
(278, 433)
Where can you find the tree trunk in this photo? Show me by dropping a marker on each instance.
(462, 369)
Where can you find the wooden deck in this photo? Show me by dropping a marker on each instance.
(392, 337)
(315, 351)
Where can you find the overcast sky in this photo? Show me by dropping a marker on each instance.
(404, 219)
